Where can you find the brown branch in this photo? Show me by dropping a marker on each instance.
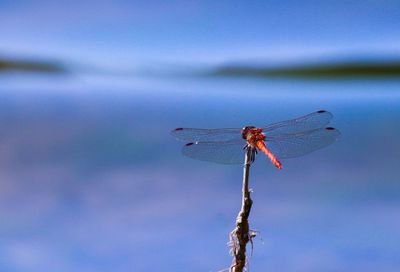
(241, 235)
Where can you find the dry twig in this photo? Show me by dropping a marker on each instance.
(241, 235)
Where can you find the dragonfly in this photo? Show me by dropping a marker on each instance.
(282, 140)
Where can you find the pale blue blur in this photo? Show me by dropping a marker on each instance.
(91, 180)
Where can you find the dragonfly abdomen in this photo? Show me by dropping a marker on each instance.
(270, 155)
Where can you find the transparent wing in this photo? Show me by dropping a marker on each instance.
(308, 122)
(230, 152)
(207, 135)
(286, 146)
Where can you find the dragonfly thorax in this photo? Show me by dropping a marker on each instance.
(252, 134)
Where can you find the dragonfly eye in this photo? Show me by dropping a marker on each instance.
(245, 130)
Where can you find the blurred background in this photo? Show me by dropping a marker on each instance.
(91, 179)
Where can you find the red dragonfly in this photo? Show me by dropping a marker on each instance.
(282, 140)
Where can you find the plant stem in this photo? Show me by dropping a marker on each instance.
(240, 236)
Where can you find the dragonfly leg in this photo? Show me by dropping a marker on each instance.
(253, 152)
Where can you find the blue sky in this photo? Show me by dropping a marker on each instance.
(126, 32)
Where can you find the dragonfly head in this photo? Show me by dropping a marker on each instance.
(246, 130)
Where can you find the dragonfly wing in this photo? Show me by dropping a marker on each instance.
(230, 152)
(207, 135)
(286, 146)
(312, 121)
